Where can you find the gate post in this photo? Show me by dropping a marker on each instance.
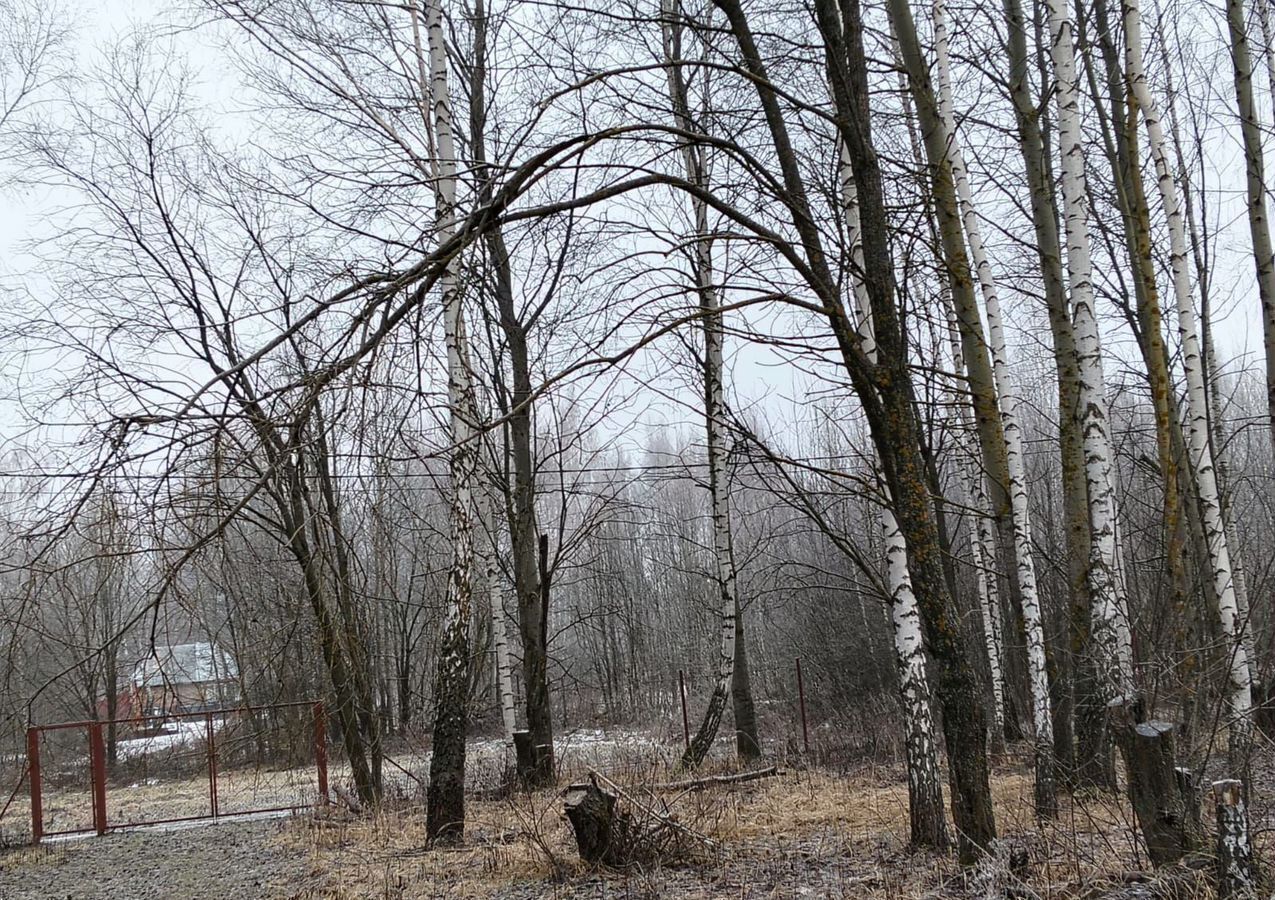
(97, 762)
(33, 774)
(211, 743)
(321, 751)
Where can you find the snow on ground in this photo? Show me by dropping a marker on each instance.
(178, 734)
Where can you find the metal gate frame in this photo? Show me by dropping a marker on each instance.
(97, 768)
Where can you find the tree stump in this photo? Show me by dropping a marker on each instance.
(600, 828)
(1163, 797)
(1234, 851)
(531, 759)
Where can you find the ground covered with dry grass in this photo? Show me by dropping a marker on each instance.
(814, 830)
(805, 833)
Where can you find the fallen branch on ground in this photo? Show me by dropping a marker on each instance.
(693, 783)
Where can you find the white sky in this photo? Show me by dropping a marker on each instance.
(25, 216)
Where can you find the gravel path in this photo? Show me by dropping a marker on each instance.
(210, 862)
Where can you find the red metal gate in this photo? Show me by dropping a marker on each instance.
(192, 742)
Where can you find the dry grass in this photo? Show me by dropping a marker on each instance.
(832, 835)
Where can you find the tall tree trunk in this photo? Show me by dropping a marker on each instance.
(445, 802)
(1254, 169)
(925, 791)
(885, 389)
(1197, 428)
(1092, 752)
(1114, 656)
(524, 533)
(1029, 597)
(732, 630)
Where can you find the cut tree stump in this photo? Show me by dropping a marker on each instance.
(1163, 796)
(1234, 850)
(600, 827)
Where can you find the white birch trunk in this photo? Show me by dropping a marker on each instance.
(446, 810)
(489, 556)
(924, 788)
(1109, 604)
(983, 532)
(694, 166)
(1196, 412)
(1033, 619)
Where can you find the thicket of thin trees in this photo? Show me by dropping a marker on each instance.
(483, 367)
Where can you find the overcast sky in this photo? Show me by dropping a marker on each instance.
(25, 214)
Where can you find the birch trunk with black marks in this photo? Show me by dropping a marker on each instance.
(1020, 517)
(1082, 714)
(1113, 655)
(445, 802)
(884, 389)
(695, 161)
(1196, 411)
(981, 381)
(925, 790)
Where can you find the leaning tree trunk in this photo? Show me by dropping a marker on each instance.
(1196, 412)
(885, 389)
(1254, 169)
(445, 805)
(693, 158)
(1109, 609)
(1029, 596)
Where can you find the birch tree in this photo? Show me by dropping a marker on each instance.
(1255, 188)
(445, 811)
(695, 162)
(1109, 606)
(1196, 411)
(1029, 597)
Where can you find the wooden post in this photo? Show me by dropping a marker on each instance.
(33, 775)
(97, 770)
(686, 720)
(321, 752)
(1234, 850)
(801, 702)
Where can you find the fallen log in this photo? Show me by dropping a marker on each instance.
(712, 780)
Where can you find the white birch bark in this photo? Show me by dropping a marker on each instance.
(1196, 412)
(1033, 620)
(489, 556)
(1109, 604)
(922, 755)
(983, 532)
(445, 812)
(694, 165)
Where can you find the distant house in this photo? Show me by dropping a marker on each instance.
(185, 678)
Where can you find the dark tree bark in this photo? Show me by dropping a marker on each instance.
(886, 393)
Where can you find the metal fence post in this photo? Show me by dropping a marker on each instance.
(211, 741)
(33, 773)
(97, 763)
(321, 751)
(801, 702)
(686, 721)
